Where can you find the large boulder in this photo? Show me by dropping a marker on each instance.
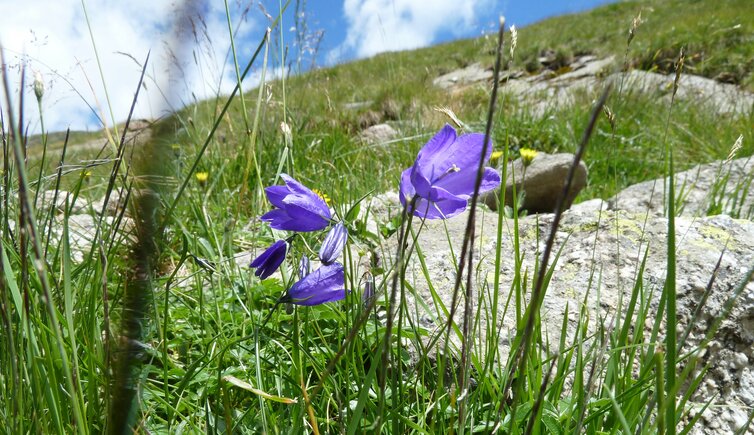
(710, 188)
(542, 182)
(600, 255)
(549, 90)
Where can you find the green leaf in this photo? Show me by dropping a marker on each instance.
(248, 387)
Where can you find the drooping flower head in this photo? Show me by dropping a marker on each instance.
(326, 284)
(298, 208)
(444, 174)
(269, 260)
(333, 244)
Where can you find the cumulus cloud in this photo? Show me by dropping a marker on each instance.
(375, 26)
(52, 37)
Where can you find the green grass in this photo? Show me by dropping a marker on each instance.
(206, 362)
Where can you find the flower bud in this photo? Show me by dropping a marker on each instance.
(270, 260)
(304, 267)
(333, 244)
(368, 291)
(287, 134)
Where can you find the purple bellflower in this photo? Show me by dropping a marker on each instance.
(298, 208)
(443, 175)
(326, 284)
(270, 260)
(333, 244)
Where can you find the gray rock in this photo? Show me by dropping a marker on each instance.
(465, 76)
(721, 97)
(115, 204)
(590, 206)
(584, 67)
(609, 245)
(710, 188)
(357, 105)
(542, 181)
(46, 198)
(82, 229)
(547, 91)
(379, 133)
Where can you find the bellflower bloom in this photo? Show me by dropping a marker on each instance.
(444, 174)
(298, 208)
(326, 284)
(333, 244)
(269, 260)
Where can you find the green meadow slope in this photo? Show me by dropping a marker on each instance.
(327, 108)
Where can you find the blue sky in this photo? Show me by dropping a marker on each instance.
(446, 21)
(51, 38)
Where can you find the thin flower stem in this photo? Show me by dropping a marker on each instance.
(406, 218)
(468, 242)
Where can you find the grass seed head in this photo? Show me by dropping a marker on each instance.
(735, 148)
(39, 85)
(514, 39)
(635, 23)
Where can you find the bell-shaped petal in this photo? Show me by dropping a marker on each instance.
(270, 260)
(326, 284)
(333, 244)
(443, 176)
(298, 208)
(462, 183)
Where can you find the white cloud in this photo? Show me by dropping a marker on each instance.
(375, 26)
(51, 36)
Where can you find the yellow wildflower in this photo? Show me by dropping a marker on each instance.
(322, 195)
(527, 155)
(495, 156)
(202, 177)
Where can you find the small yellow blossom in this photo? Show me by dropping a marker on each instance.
(87, 174)
(527, 155)
(495, 156)
(322, 195)
(202, 177)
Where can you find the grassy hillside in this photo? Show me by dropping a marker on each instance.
(397, 87)
(718, 38)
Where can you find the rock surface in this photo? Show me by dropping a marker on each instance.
(379, 133)
(542, 182)
(549, 90)
(471, 74)
(718, 187)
